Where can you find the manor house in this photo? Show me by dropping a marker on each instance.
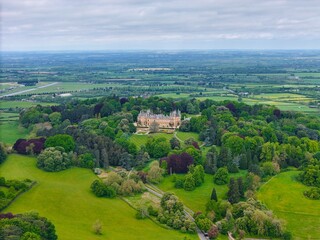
(173, 121)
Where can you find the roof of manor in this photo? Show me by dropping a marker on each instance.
(149, 114)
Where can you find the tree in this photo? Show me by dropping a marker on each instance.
(3, 153)
(224, 157)
(97, 227)
(154, 127)
(158, 148)
(189, 182)
(210, 165)
(241, 187)
(55, 118)
(198, 175)
(213, 232)
(61, 140)
(214, 195)
(221, 177)
(175, 143)
(233, 193)
(155, 174)
(53, 160)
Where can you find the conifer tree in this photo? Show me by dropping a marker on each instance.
(233, 193)
(214, 195)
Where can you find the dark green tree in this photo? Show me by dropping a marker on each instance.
(233, 192)
(214, 195)
(241, 187)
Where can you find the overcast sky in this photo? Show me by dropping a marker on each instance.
(166, 24)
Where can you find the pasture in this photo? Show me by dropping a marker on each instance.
(284, 195)
(65, 199)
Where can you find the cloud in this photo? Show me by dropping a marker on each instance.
(103, 24)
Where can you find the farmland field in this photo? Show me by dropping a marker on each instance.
(284, 195)
(65, 199)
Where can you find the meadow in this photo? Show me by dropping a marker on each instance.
(284, 195)
(65, 199)
(196, 200)
(10, 131)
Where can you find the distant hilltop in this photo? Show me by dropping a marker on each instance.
(172, 121)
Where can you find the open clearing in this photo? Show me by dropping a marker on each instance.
(284, 195)
(10, 131)
(65, 198)
(197, 199)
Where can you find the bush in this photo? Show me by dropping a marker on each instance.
(179, 183)
(102, 190)
(189, 183)
(213, 232)
(53, 160)
(313, 193)
(31, 146)
(221, 177)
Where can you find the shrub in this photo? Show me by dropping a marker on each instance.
(179, 183)
(97, 227)
(213, 232)
(102, 190)
(313, 193)
(221, 177)
(189, 183)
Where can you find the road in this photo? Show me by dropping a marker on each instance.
(159, 193)
(28, 90)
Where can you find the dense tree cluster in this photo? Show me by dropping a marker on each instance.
(10, 189)
(172, 214)
(26, 226)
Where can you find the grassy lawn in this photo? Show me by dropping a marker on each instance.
(197, 199)
(185, 135)
(65, 198)
(11, 131)
(284, 195)
(140, 140)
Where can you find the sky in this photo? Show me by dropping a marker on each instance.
(28, 25)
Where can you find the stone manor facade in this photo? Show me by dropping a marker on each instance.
(173, 121)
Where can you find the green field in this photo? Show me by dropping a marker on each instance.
(65, 198)
(10, 131)
(21, 104)
(284, 195)
(140, 140)
(197, 199)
